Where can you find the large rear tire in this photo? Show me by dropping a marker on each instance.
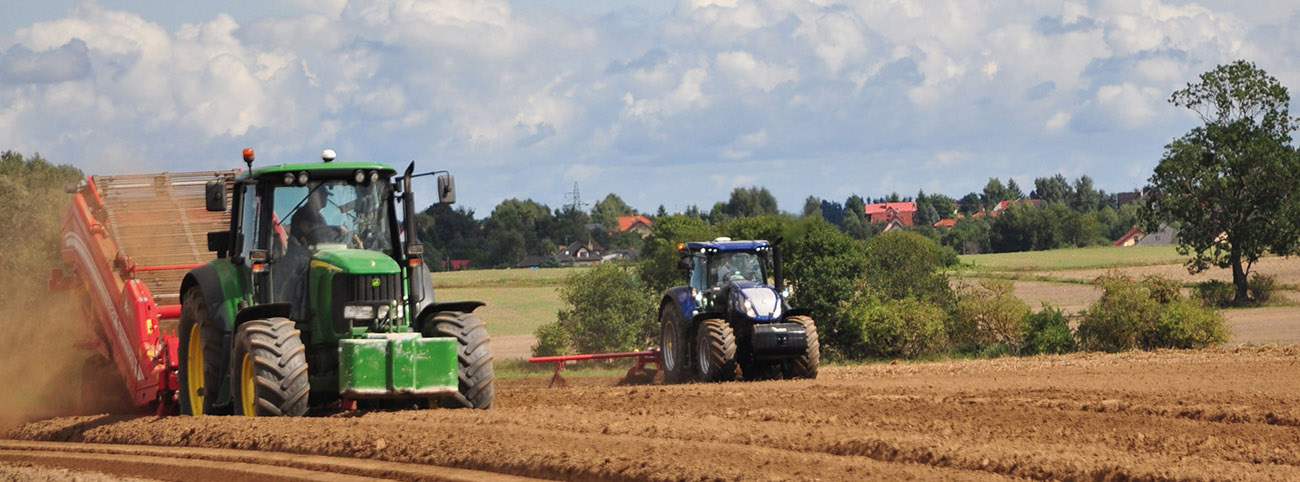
(716, 351)
(269, 368)
(202, 359)
(673, 348)
(805, 366)
(473, 358)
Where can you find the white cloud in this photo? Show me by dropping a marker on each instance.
(752, 73)
(866, 91)
(1057, 122)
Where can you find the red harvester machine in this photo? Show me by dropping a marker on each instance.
(127, 243)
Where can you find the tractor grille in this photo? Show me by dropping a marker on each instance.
(352, 288)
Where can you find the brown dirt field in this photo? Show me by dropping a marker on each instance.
(1169, 415)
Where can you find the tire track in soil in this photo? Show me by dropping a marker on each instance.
(1140, 416)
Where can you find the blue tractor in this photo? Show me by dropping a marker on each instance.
(733, 319)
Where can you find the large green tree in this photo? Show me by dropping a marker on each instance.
(1232, 183)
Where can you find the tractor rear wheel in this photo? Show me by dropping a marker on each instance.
(805, 365)
(716, 347)
(473, 358)
(202, 360)
(673, 347)
(269, 368)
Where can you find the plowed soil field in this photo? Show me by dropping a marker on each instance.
(1173, 415)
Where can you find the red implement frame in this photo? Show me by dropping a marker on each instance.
(638, 368)
(130, 310)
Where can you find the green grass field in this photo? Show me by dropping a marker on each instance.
(518, 300)
(1074, 258)
(502, 277)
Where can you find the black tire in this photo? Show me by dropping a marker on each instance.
(673, 348)
(270, 359)
(473, 358)
(715, 360)
(805, 366)
(194, 316)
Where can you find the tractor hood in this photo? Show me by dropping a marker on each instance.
(355, 261)
(756, 300)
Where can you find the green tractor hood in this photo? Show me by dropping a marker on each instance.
(355, 261)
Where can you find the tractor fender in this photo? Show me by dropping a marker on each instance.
(436, 307)
(255, 312)
(206, 278)
(680, 297)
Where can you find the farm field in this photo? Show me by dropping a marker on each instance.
(1167, 415)
(520, 300)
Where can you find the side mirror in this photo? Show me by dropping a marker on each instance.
(684, 264)
(446, 189)
(215, 192)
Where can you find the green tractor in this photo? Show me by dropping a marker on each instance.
(319, 296)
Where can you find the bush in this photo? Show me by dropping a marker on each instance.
(1216, 293)
(1261, 287)
(990, 313)
(903, 264)
(1129, 315)
(1048, 332)
(1162, 289)
(552, 340)
(608, 309)
(894, 328)
(1185, 325)
(823, 268)
(1120, 319)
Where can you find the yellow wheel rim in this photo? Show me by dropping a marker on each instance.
(194, 371)
(246, 396)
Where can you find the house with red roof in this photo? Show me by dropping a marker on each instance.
(887, 212)
(638, 224)
(945, 223)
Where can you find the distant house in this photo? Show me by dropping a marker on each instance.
(1163, 235)
(578, 253)
(886, 212)
(532, 262)
(455, 264)
(1004, 205)
(945, 223)
(892, 224)
(638, 224)
(1131, 238)
(621, 255)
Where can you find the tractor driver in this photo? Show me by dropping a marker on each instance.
(307, 228)
(738, 267)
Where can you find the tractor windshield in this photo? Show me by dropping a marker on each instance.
(333, 214)
(726, 267)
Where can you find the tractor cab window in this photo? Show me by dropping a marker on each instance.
(698, 269)
(332, 215)
(739, 266)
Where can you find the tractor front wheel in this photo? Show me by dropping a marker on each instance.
(201, 357)
(805, 365)
(716, 357)
(269, 368)
(473, 358)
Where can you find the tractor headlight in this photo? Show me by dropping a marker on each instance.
(382, 312)
(358, 176)
(302, 178)
(749, 309)
(358, 312)
(288, 178)
(374, 177)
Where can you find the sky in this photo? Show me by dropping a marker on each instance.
(661, 102)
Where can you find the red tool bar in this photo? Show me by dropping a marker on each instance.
(169, 311)
(592, 356)
(165, 267)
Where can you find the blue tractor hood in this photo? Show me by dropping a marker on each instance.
(756, 301)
